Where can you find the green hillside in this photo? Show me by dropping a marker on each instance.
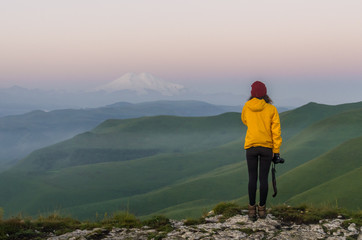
(320, 137)
(304, 181)
(123, 140)
(344, 191)
(180, 166)
(75, 172)
(221, 184)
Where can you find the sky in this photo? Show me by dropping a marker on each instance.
(300, 49)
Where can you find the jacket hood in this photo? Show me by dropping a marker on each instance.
(256, 105)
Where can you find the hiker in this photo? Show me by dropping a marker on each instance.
(262, 143)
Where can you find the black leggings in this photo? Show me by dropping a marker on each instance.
(263, 156)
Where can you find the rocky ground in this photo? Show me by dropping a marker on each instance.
(237, 227)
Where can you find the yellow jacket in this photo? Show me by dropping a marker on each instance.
(263, 123)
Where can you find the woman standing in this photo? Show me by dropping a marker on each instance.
(262, 143)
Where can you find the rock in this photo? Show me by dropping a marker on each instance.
(352, 227)
(77, 234)
(237, 227)
(211, 213)
(176, 224)
(359, 236)
(213, 219)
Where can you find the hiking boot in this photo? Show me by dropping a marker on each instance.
(262, 211)
(252, 212)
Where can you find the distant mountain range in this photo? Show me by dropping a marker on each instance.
(130, 87)
(22, 134)
(180, 166)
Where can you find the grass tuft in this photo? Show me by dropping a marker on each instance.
(122, 219)
(56, 224)
(308, 214)
(354, 217)
(160, 223)
(191, 221)
(20, 227)
(227, 209)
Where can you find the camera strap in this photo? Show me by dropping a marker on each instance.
(274, 180)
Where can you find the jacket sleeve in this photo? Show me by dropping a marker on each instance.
(276, 132)
(243, 116)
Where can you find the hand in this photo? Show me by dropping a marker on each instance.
(276, 159)
(276, 155)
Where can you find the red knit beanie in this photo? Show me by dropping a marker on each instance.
(258, 89)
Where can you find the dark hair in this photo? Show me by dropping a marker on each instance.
(266, 98)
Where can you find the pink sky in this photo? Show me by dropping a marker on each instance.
(86, 42)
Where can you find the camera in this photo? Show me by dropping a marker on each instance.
(277, 159)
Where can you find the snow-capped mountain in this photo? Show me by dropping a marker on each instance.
(142, 83)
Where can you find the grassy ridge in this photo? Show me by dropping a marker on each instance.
(321, 137)
(296, 120)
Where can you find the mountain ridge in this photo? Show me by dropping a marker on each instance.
(195, 153)
(22, 134)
